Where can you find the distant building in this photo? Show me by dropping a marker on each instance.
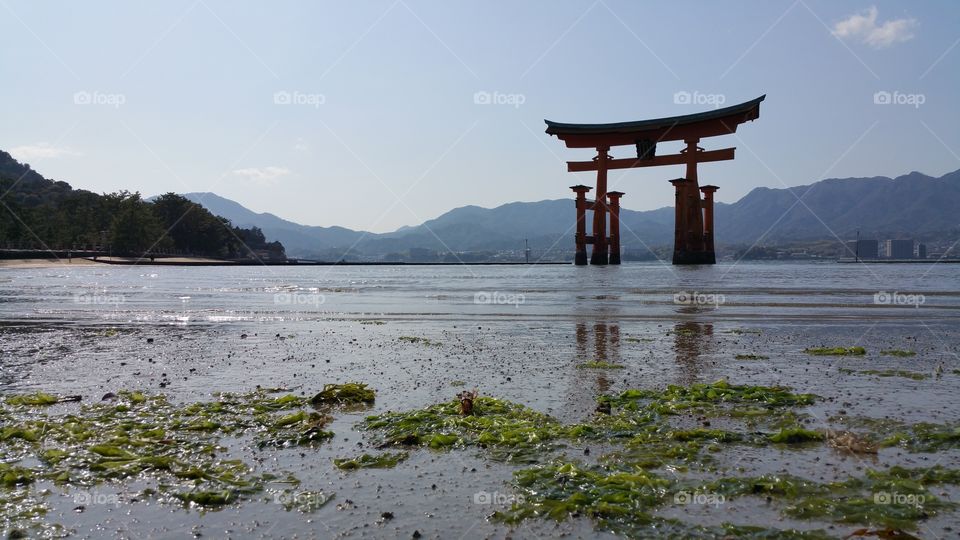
(863, 249)
(898, 249)
(921, 251)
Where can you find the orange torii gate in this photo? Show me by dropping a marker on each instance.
(693, 231)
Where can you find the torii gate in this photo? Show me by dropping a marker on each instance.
(693, 231)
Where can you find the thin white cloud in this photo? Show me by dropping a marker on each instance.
(301, 145)
(41, 150)
(263, 175)
(863, 27)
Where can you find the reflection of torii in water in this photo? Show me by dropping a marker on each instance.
(690, 339)
(603, 335)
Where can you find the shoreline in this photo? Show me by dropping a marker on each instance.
(199, 261)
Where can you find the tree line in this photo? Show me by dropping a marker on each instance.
(44, 214)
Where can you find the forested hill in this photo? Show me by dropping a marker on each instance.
(37, 213)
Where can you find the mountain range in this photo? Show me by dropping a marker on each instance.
(910, 205)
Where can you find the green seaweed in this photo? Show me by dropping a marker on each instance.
(751, 357)
(595, 364)
(209, 498)
(349, 393)
(898, 352)
(175, 449)
(887, 373)
(836, 351)
(366, 461)
(675, 399)
(795, 435)
(896, 498)
(561, 489)
(494, 423)
(921, 437)
(37, 399)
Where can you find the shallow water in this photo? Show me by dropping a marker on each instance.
(514, 332)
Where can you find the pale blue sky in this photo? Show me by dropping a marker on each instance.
(387, 132)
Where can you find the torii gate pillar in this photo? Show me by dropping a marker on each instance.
(580, 259)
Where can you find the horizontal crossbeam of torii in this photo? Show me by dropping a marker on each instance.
(693, 232)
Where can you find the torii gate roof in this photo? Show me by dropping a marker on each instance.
(674, 128)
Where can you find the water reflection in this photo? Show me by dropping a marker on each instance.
(690, 340)
(606, 348)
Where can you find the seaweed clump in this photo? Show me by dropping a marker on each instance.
(344, 394)
(898, 352)
(896, 498)
(177, 450)
(836, 351)
(921, 437)
(366, 461)
(888, 373)
(596, 364)
(495, 423)
(675, 399)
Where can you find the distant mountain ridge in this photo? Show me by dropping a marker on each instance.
(910, 204)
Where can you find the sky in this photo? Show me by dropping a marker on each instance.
(373, 115)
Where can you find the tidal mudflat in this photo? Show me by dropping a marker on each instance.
(639, 401)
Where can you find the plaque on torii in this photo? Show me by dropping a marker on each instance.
(693, 230)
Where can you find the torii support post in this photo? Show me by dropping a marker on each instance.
(689, 246)
(599, 254)
(614, 197)
(580, 259)
(708, 192)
